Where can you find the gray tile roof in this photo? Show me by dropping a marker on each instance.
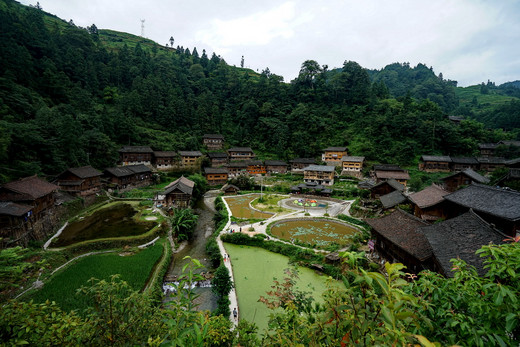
(336, 149)
(461, 237)
(213, 136)
(429, 196)
(392, 183)
(353, 159)
(493, 201)
(215, 170)
(31, 187)
(217, 155)
(475, 176)
(190, 153)
(13, 209)
(136, 149)
(182, 183)
(464, 160)
(323, 168)
(303, 161)
(437, 158)
(392, 199)
(85, 172)
(165, 154)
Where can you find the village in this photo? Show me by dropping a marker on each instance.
(423, 230)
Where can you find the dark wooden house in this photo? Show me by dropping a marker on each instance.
(460, 237)
(15, 223)
(398, 239)
(461, 163)
(384, 172)
(218, 158)
(177, 194)
(166, 160)
(241, 153)
(487, 149)
(230, 189)
(319, 174)
(236, 168)
(134, 155)
(256, 167)
(393, 199)
(497, 206)
(385, 187)
(80, 181)
(191, 159)
(216, 176)
(213, 142)
(463, 178)
(333, 155)
(275, 166)
(428, 203)
(125, 177)
(298, 164)
(490, 164)
(435, 163)
(513, 163)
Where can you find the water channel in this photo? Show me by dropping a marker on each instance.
(196, 248)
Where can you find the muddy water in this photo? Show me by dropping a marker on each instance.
(196, 248)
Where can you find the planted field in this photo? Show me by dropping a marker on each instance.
(320, 232)
(255, 269)
(240, 208)
(113, 221)
(133, 268)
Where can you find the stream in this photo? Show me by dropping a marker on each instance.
(196, 248)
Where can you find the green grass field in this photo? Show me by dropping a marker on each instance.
(485, 102)
(254, 270)
(134, 269)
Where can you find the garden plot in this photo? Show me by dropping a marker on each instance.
(240, 207)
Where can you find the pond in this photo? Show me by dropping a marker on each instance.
(239, 206)
(113, 221)
(254, 270)
(320, 232)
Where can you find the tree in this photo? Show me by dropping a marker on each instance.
(183, 223)
(171, 41)
(242, 62)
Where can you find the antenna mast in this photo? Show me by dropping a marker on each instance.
(142, 27)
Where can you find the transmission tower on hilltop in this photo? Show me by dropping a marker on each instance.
(142, 27)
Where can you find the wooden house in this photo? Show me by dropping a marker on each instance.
(513, 163)
(460, 237)
(126, 177)
(393, 199)
(15, 224)
(213, 142)
(166, 160)
(218, 158)
(385, 187)
(497, 206)
(456, 119)
(435, 163)
(461, 163)
(134, 155)
(398, 239)
(241, 153)
(298, 164)
(81, 181)
(428, 203)
(490, 164)
(463, 178)
(275, 166)
(236, 168)
(256, 167)
(319, 174)
(352, 165)
(311, 188)
(230, 189)
(216, 176)
(383, 172)
(32, 191)
(333, 155)
(177, 194)
(487, 149)
(191, 159)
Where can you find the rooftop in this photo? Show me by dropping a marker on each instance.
(461, 237)
(429, 196)
(190, 153)
(392, 183)
(9, 208)
(397, 175)
(392, 199)
(498, 202)
(136, 149)
(401, 229)
(353, 159)
(437, 158)
(213, 136)
(215, 170)
(323, 168)
(275, 163)
(387, 167)
(165, 154)
(85, 172)
(31, 187)
(217, 155)
(464, 160)
(182, 183)
(475, 176)
(240, 149)
(335, 149)
(303, 160)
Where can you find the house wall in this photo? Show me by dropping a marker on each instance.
(320, 177)
(135, 158)
(435, 166)
(216, 179)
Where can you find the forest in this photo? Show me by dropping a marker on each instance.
(71, 96)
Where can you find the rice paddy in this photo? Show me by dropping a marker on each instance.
(240, 208)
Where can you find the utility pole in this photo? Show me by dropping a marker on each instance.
(142, 27)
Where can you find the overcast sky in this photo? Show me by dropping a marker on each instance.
(469, 41)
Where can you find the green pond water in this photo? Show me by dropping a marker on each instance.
(255, 269)
(320, 231)
(113, 221)
(239, 206)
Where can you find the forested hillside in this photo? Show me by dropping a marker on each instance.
(71, 96)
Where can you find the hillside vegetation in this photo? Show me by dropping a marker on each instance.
(71, 96)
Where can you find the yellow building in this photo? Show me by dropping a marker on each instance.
(333, 155)
(320, 174)
(352, 165)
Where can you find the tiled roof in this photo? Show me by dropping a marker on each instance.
(353, 159)
(487, 146)
(491, 160)
(513, 162)
(303, 161)
(437, 158)
(429, 196)
(461, 237)
(119, 171)
(254, 163)
(217, 155)
(387, 167)
(136, 149)
(401, 229)
(13, 209)
(140, 168)
(213, 136)
(182, 183)
(336, 149)
(85, 171)
(275, 163)
(494, 201)
(464, 160)
(190, 153)
(392, 199)
(229, 186)
(510, 143)
(165, 154)
(32, 187)
(397, 175)
(240, 149)
(323, 168)
(237, 164)
(214, 170)
(475, 176)
(392, 183)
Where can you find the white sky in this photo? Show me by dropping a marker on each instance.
(469, 41)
